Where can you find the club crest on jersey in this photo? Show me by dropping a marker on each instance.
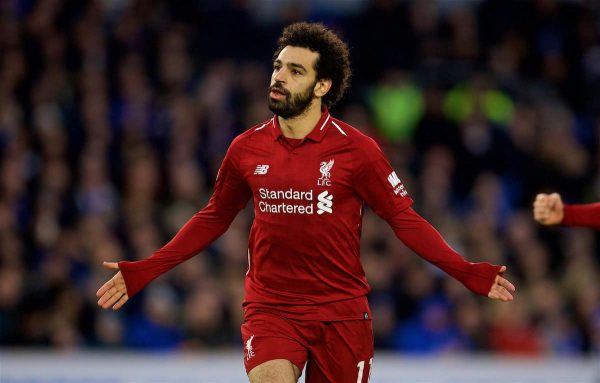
(325, 169)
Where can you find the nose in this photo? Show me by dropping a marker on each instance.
(280, 76)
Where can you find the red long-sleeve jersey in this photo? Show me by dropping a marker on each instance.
(308, 197)
(585, 215)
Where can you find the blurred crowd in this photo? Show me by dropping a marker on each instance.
(115, 116)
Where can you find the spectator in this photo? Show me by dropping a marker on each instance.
(85, 86)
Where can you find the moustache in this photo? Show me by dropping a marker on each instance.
(279, 89)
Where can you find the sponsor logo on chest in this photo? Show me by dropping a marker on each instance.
(293, 201)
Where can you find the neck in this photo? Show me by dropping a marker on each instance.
(301, 125)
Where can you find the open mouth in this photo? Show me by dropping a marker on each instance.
(277, 94)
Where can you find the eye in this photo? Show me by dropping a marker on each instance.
(296, 71)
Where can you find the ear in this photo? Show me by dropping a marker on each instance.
(322, 87)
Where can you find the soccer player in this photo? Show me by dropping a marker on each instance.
(308, 175)
(549, 209)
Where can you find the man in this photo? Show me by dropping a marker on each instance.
(549, 209)
(308, 175)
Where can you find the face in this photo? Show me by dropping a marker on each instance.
(293, 82)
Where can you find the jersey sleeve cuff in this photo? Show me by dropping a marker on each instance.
(133, 283)
(481, 277)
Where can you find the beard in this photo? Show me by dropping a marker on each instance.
(292, 105)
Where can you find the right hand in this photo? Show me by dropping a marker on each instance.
(114, 292)
(548, 209)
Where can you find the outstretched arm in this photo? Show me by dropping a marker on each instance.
(380, 187)
(230, 196)
(199, 232)
(481, 278)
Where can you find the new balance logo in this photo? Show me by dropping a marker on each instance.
(261, 169)
(249, 349)
(325, 203)
(396, 184)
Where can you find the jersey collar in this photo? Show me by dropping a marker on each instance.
(316, 134)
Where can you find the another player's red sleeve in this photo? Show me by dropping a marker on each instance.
(587, 215)
(230, 195)
(379, 186)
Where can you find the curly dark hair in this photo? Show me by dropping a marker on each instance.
(333, 62)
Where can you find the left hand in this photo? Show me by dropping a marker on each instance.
(502, 289)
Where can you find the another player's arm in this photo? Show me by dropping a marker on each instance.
(377, 184)
(549, 209)
(231, 194)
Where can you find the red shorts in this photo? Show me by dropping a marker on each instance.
(340, 352)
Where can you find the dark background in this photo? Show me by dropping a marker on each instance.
(115, 115)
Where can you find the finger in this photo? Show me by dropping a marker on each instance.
(505, 295)
(112, 300)
(541, 197)
(107, 295)
(541, 204)
(507, 285)
(495, 295)
(503, 298)
(553, 200)
(500, 293)
(121, 302)
(103, 299)
(111, 265)
(540, 216)
(502, 287)
(102, 290)
(503, 282)
(539, 211)
(116, 290)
